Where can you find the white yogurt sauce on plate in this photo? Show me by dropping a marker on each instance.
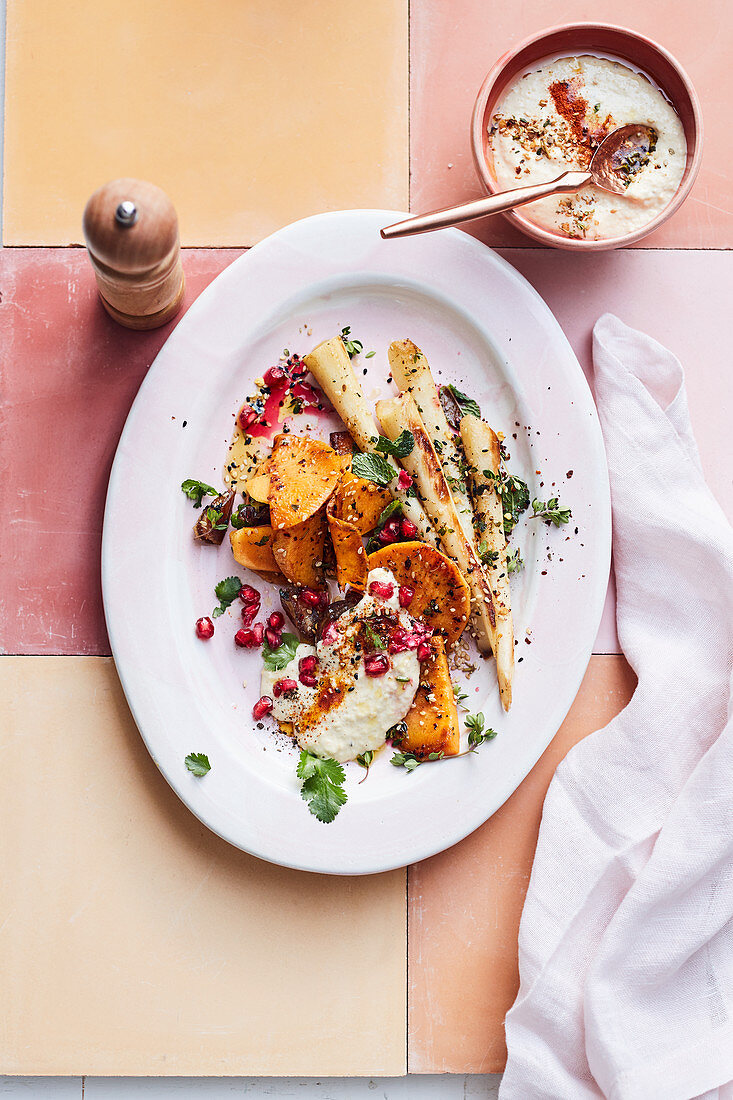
(551, 120)
(348, 712)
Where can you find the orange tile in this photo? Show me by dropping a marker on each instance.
(465, 904)
(249, 114)
(453, 46)
(133, 941)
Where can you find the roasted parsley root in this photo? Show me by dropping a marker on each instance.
(298, 550)
(305, 618)
(442, 597)
(211, 526)
(303, 474)
(432, 720)
(252, 548)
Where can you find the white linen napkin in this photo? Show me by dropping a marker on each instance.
(626, 939)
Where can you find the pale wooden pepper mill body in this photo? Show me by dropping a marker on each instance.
(131, 232)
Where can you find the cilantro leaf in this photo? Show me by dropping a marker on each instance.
(226, 593)
(323, 785)
(551, 511)
(353, 347)
(467, 405)
(277, 659)
(197, 490)
(374, 468)
(402, 446)
(197, 763)
(515, 500)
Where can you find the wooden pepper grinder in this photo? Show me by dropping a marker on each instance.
(131, 232)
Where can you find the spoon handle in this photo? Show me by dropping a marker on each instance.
(480, 208)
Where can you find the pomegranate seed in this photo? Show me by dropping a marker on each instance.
(204, 629)
(424, 651)
(330, 633)
(310, 597)
(308, 678)
(243, 638)
(400, 640)
(249, 614)
(276, 620)
(323, 598)
(378, 588)
(282, 687)
(408, 529)
(388, 534)
(404, 481)
(274, 377)
(262, 707)
(398, 645)
(406, 595)
(274, 638)
(247, 417)
(308, 664)
(376, 665)
(258, 631)
(249, 595)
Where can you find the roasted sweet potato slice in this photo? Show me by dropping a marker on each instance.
(351, 558)
(303, 474)
(432, 720)
(252, 548)
(298, 550)
(360, 502)
(442, 597)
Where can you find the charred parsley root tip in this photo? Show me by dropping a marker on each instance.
(322, 785)
(198, 764)
(197, 490)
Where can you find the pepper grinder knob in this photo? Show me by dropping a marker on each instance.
(131, 233)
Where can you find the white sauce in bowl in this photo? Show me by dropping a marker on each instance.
(551, 121)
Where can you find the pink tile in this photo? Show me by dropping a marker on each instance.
(453, 46)
(69, 377)
(681, 298)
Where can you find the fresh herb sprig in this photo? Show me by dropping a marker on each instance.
(197, 490)
(460, 696)
(478, 734)
(353, 347)
(373, 467)
(402, 446)
(198, 764)
(275, 660)
(514, 562)
(215, 517)
(364, 760)
(466, 405)
(477, 731)
(323, 785)
(226, 593)
(551, 512)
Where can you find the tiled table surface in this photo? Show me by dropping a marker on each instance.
(171, 958)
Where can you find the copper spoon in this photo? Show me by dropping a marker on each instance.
(619, 156)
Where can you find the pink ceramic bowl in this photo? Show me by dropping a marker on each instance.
(619, 44)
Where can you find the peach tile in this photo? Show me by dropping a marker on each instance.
(452, 47)
(250, 115)
(134, 941)
(465, 905)
(69, 376)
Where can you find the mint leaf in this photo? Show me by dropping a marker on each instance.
(226, 593)
(197, 490)
(277, 659)
(198, 763)
(467, 405)
(402, 446)
(323, 785)
(374, 468)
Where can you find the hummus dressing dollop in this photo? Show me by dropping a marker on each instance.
(349, 712)
(551, 120)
